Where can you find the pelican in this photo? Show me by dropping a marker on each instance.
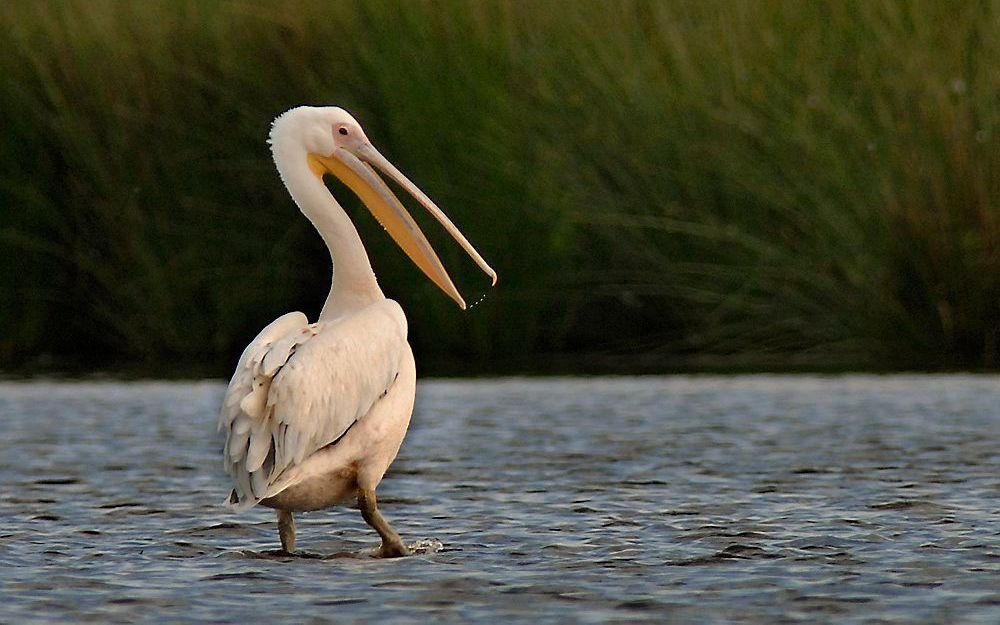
(316, 412)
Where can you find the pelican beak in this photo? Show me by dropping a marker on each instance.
(354, 167)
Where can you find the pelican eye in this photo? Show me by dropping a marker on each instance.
(342, 130)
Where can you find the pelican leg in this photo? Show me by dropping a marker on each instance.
(286, 530)
(392, 544)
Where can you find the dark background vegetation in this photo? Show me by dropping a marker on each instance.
(660, 185)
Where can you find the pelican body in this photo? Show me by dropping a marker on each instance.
(316, 411)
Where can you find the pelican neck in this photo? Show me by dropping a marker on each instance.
(353, 285)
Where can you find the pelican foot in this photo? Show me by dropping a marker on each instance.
(392, 550)
(286, 531)
(392, 544)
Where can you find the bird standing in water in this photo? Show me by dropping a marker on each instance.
(316, 412)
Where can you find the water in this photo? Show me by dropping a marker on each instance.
(686, 499)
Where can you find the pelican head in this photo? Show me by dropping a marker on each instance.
(335, 144)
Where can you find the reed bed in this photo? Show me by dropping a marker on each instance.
(660, 185)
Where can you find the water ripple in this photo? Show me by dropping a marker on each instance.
(756, 499)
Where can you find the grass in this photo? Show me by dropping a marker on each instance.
(775, 184)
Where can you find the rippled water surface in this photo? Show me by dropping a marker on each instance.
(685, 499)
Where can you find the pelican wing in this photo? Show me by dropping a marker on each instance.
(299, 387)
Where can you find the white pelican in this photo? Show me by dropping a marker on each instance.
(316, 412)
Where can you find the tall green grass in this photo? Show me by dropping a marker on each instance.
(708, 183)
(808, 179)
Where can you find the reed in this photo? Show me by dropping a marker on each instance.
(711, 183)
